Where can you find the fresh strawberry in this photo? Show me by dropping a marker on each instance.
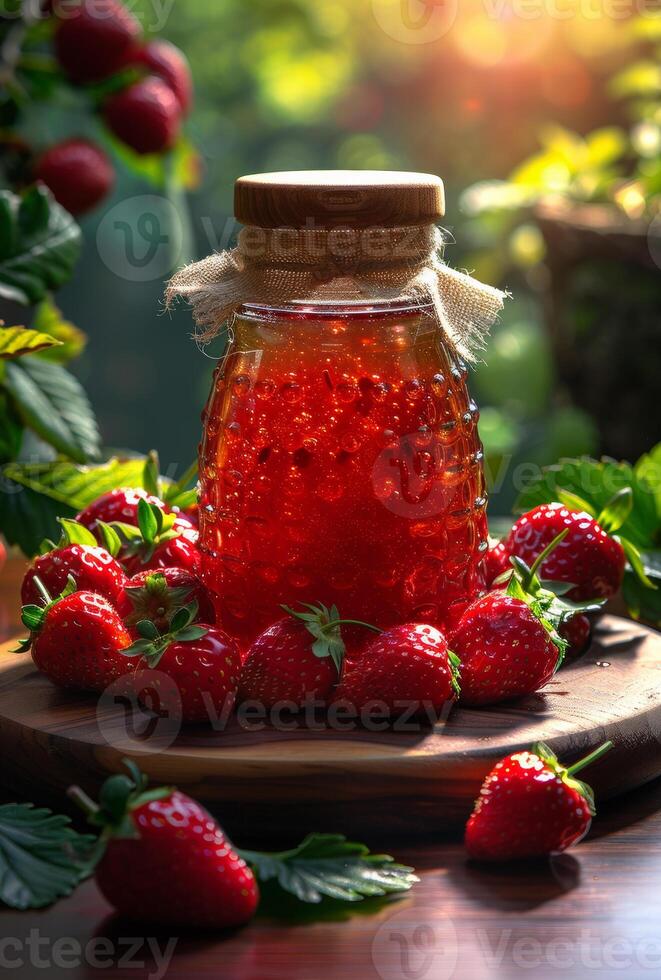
(116, 505)
(77, 639)
(169, 62)
(166, 860)
(405, 666)
(576, 631)
(299, 656)
(94, 39)
(159, 541)
(156, 595)
(496, 562)
(146, 115)
(588, 557)
(530, 806)
(77, 555)
(508, 641)
(202, 660)
(78, 173)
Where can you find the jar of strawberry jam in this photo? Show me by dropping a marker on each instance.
(340, 460)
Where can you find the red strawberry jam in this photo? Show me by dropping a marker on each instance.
(340, 463)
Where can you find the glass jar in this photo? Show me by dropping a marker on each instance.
(341, 463)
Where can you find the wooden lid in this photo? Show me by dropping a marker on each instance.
(338, 198)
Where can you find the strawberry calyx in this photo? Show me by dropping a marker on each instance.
(153, 643)
(567, 773)
(547, 600)
(118, 797)
(324, 625)
(155, 588)
(455, 672)
(33, 616)
(154, 528)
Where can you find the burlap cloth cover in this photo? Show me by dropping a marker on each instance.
(278, 266)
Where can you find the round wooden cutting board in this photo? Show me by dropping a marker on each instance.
(269, 784)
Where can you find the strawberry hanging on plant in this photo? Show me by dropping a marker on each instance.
(508, 641)
(531, 806)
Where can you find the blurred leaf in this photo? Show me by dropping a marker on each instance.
(17, 341)
(605, 146)
(186, 165)
(53, 403)
(39, 245)
(644, 603)
(11, 429)
(643, 78)
(34, 495)
(149, 166)
(50, 320)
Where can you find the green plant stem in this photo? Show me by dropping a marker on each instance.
(592, 757)
(551, 546)
(82, 800)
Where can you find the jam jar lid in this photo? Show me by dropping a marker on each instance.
(338, 198)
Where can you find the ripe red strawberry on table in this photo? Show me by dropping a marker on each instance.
(94, 38)
(588, 556)
(508, 642)
(201, 659)
(496, 562)
(298, 657)
(76, 639)
(166, 860)
(408, 666)
(77, 554)
(157, 594)
(576, 631)
(122, 505)
(160, 540)
(531, 806)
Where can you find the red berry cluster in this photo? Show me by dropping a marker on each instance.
(95, 41)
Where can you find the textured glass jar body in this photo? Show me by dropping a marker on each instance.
(340, 463)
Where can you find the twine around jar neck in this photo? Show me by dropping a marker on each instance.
(276, 266)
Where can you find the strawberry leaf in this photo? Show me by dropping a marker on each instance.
(148, 521)
(572, 501)
(41, 857)
(636, 562)
(75, 533)
(17, 341)
(616, 511)
(329, 866)
(41, 242)
(109, 537)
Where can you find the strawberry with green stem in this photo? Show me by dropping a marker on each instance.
(298, 657)
(531, 806)
(161, 857)
(508, 641)
(76, 639)
(159, 541)
(77, 554)
(156, 595)
(202, 660)
(592, 556)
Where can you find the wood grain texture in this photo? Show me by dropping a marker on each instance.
(338, 198)
(392, 784)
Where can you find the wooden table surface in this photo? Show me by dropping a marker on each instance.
(594, 912)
